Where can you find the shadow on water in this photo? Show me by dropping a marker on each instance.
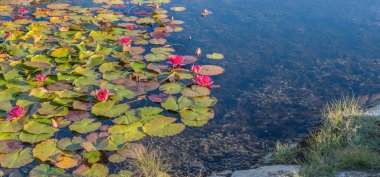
(284, 60)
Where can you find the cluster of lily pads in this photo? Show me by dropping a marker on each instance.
(77, 85)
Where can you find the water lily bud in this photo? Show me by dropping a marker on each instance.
(196, 69)
(198, 53)
(54, 123)
(204, 12)
(102, 95)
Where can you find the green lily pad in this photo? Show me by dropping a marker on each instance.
(70, 144)
(216, 56)
(116, 142)
(197, 114)
(11, 126)
(128, 118)
(117, 158)
(50, 109)
(46, 149)
(151, 57)
(95, 60)
(211, 70)
(16, 159)
(195, 91)
(61, 52)
(204, 101)
(170, 104)
(34, 138)
(138, 66)
(163, 126)
(45, 170)
(172, 88)
(178, 9)
(130, 132)
(109, 109)
(39, 127)
(96, 170)
(92, 156)
(85, 125)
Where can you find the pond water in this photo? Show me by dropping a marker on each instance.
(283, 61)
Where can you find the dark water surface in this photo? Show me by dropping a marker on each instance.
(284, 60)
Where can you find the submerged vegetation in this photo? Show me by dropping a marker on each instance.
(347, 140)
(77, 85)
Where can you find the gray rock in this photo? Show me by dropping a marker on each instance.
(356, 174)
(374, 111)
(223, 173)
(269, 171)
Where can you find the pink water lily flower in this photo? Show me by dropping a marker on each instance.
(176, 60)
(6, 35)
(130, 27)
(22, 11)
(15, 112)
(41, 78)
(102, 95)
(125, 40)
(196, 69)
(203, 80)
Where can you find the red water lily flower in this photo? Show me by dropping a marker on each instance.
(196, 69)
(203, 80)
(15, 112)
(102, 95)
(22, 11)
(41, 78)
(130, 27)
(176, 60)
(125, 40)
(6, 35)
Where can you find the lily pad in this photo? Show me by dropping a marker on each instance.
(45, 170)
(211, 70)
(195, 91)
(215, 56)
(178, 9)
(46, 149)
(197, 114)
(60, 52)
(70, 144)
(92, 156)
(163, 126)
(172, 88)
(85, 125)
(9, 145)
(16, 159)
(109, 109)
(96, 170)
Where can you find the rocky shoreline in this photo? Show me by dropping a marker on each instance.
(291, 170)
